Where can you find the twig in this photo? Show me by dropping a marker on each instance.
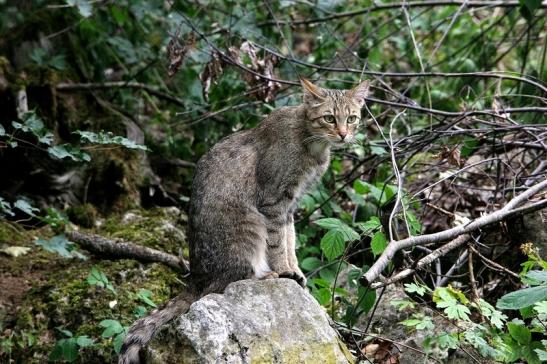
(414, 4)
(121, 250)
(64, 87)
(508, 210)
(434, 255)
(472, 281)
(494, 264)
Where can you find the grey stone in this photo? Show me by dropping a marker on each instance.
(269, 321)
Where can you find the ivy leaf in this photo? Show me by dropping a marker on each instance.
(25, 207)
(60, 245)
(378, 243)
(68, 151)
(108, 138)
(522, 298)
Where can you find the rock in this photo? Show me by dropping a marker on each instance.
(269, 321)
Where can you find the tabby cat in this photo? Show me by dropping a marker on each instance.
(244, 194)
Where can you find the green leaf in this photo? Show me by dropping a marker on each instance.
(329, 223)
(118, 341)
(520, 333)
(333, 244)
(68, 151)
(420, 323)
(522, 298)
(2, 130)
(310, 263)
(367, 299)
(531, 5)
(413, 287)
(322, 295)
(457, 311)
(60, 245)
(112, 327)
(146, 296)
(361, 187)
(537, 275)
(541, 307)
(372, 224)
(542, 354)
(378, 243)
(108, 138)
(84, 341)
(25, 207)
(65, 349)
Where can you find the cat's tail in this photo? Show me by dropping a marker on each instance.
(144, 329)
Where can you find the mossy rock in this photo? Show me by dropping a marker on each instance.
(56, 294)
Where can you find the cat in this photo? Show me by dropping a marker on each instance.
(244, 194)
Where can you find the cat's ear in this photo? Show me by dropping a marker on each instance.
(312, 94)
(359, 93)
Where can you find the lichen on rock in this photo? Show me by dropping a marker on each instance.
(269, 321)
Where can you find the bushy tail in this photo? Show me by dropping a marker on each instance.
(144, 329)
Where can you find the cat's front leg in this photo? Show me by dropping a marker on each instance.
(276, 241)
(291, 251)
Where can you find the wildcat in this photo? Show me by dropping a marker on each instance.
(244, 194)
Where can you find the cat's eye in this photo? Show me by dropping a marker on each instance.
(329, 119)
(352, 119)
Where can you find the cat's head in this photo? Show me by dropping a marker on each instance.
(334, 115)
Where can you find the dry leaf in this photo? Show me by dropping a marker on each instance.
(177, 50)
(15, 251)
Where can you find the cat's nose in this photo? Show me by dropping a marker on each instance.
(342, 134)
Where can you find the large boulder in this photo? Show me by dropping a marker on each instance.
(269, 321)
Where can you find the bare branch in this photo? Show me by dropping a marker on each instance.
(126, 250)
(508, 210)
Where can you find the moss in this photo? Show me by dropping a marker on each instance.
(84, 215)
(60, 295)
(160, 228)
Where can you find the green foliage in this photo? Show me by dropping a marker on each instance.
(68, 349)
(61, 245)
(114, 330)
(108, 138)
(486, 328)
(99, 279)
(146, 296)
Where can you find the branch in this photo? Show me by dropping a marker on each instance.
(508, 210)
(118, 249)
(434, 255)
(411, 4)
(64, 87)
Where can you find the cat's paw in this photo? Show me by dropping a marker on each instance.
(269, 275)
(298, 277)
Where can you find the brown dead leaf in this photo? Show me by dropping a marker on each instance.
(210, 74)
(259, 82)
(452, 156)
(177, 49)
(383, 352)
